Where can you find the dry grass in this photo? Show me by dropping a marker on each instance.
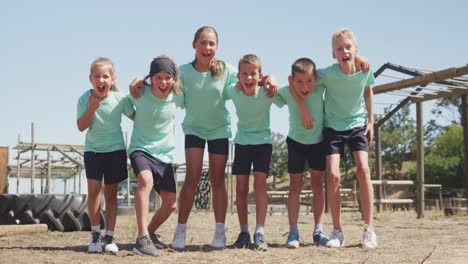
(402, 239)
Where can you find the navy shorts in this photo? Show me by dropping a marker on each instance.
(163, 173)
(246, 155)
(215, 146)
(112, 166)
(354, 138)
(299, 153)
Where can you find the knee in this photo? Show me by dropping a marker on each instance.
(333, 179)
(363, 172)
(242, 193)
(218, 183)
(295, 189)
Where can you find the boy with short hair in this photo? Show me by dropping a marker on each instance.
(253, 146)
(305, 145)
(348, 121)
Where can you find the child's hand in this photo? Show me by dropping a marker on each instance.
(306, 119)
(369, 133)
(362, 64)
(94, 102)
(270, 85)
(136, 84)
(239, 86)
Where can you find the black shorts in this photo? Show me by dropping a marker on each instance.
(299, 153)
(215, 146)
(246, 155)
(354, 138)
(163, 173)
(112, 166)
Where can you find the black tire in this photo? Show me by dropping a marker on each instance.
(59, 212)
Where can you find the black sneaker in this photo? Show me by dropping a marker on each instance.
(259, 241)
(144, 246)
(243, 240)
(157, 243)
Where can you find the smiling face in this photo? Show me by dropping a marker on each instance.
(345, 51)
(205, 45)
(249, 75)
(102, 79)
(161, 84)
(304, 83)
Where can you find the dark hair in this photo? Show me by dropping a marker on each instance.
(216, 66)
(304, 65)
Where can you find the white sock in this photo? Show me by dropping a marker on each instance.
(318, 227)
(109, 233)
(245, 228)
(260, 229)
(181, 228)
(96, 228)
(219, 228)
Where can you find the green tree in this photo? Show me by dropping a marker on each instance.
(398, 135)
(444, 163)
(279, 157)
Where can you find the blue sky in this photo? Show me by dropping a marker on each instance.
(47, 47)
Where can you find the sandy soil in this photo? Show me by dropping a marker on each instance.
(402, 239)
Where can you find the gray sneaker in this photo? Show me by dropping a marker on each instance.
(144, 246)
(157, 243)
(259, 241)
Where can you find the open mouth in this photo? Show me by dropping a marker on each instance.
(248, 85)
(346, 59)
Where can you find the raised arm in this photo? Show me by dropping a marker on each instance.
(137, 88)
(362, 63)
(306, 118)
(85, 120)
(369, 100)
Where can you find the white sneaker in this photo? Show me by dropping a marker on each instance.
(336, 239)
(179, 240)
(109, 245)
(369, 239)
(95, 242)
(219, 240)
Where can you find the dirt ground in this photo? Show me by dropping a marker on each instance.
(402, 239)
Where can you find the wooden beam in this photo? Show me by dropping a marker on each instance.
(440, 95)
(67, 156)
(422, 80)
(419, 161)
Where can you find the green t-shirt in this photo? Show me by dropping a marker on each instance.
(344, 102)
(206, 114)
(105, 133)
(314, 103)
(253, 113)
(153, 127)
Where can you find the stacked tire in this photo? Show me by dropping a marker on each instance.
(61, 212)
(202, 194)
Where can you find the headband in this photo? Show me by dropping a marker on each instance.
(162, 65)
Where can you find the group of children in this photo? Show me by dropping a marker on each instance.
(326, 111)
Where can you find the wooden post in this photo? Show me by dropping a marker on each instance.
(49, 168)
(18, 167)
(4, 169)
(33, 158)
(465, 141)
(80, 170)
(378, 165)
(419, 161)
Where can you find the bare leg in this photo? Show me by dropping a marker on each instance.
(194, 162)
(145, 184)
(242, 191)
(318, 200)
(94, 200)
(168, 206)
(333, 165)
(110, 194)
(219, 198)
(261, 198)
(366, 190)
(295, 189)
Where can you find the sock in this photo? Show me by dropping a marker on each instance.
(244, 228)
(109, 233)
(260, 229)
(293, 229)
(181, 228)
(96, 228)
(318, 227)
(219, 228)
